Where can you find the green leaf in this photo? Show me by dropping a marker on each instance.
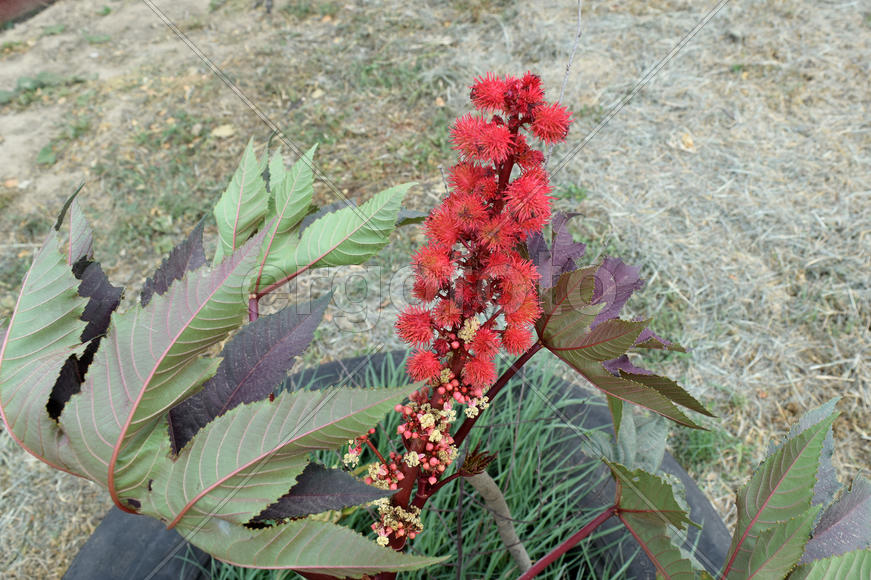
(291, 191)
(668, 389)
(624, 389)
(242, 207)
(350, 235)
(781, 489)
(291, 198)
(150, 359)
(303, 545)
(43, 332)
(244, 460)
(615, 406)
(851, 565)
(778, 548)
(649, 510)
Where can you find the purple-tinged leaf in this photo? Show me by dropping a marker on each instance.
(615, 283)
(778, 548)
(845, 526)
(622, 363)
(152, 358)
(306, 545)
(319, 489)
(668, 389)
(604, 342)
(43, 332)
(646, 505)
(847, 566)
(241, 210)
(254, 362)
(777, 492)
(624, 389)
(827, 480)
(562, 255)
(103, 300)
(243, 461)
(648, 339)
(185, 257)
(566, 309)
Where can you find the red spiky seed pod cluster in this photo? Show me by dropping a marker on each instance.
(476, 292)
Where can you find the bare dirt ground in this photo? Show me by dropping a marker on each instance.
(739, 177)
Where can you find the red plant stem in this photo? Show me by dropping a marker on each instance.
(421, 497)
(375, 451)
(568, 544)
(464, 429)
(253, 308)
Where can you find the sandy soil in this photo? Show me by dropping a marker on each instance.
(738, 177)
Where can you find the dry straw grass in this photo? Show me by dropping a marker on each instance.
(738, 178)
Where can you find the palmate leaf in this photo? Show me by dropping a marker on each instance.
(649, 510)
(150, 359)
(319, 489)
(242, 207)
(851, 565)
(312, 546)
(253, 363)
(247, 458)
(42, 333)
(777, 492)
(571, 326)
(624, 389)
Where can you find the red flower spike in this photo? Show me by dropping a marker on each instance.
(471, 267)
(423, 365)
(414, 326)
(551, 122)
